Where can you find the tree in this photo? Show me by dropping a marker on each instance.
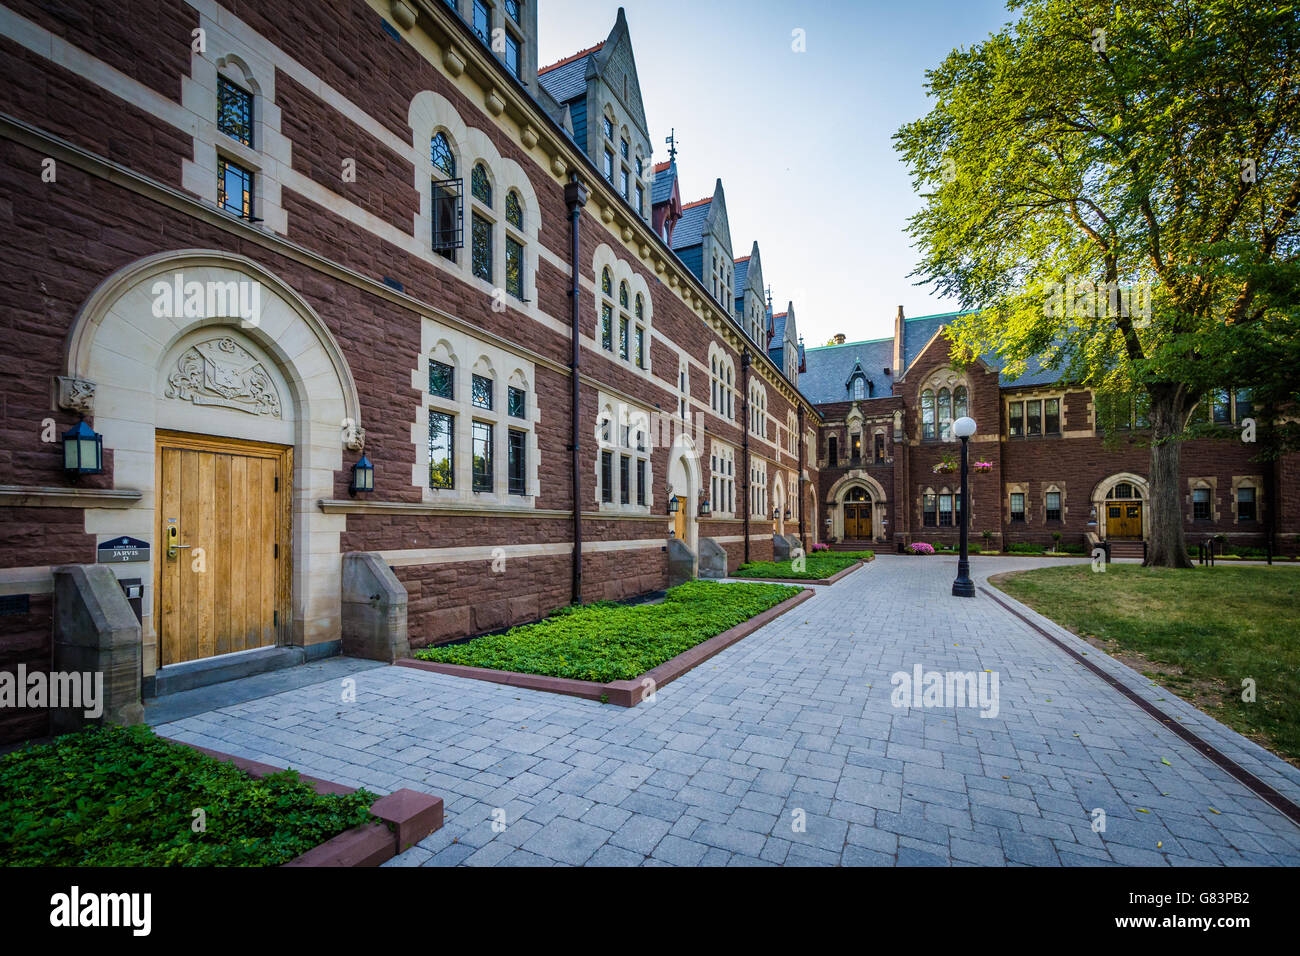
(1114, 189)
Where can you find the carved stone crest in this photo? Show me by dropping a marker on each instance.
(222, 372)
(76, 394)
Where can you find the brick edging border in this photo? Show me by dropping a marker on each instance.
(831, 580)
(623, 693)
(407, 817)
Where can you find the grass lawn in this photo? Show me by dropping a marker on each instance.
(118, 796)
(606, 641)
(1199, 632)
(820, 565)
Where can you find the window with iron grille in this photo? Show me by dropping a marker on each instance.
(234, 188)
(441, 379)
(482, 437)
(516, 451)
(482, 248)
(1053, 506)
(442, 450)
(235, 111)
(516, 402)
(447, 214)
(1201, 504)
(481, 392)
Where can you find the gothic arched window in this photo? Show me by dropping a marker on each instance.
(606, 282)
(927, 414)
(480, 185)
(945, 412)
(441, 156)
(514, 211)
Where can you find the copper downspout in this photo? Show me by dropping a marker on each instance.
(575, 197)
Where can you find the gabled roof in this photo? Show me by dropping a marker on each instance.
(567, 79)
(741, 274)
(661, 190)
(777, 325)
(690, 228)
(829, 367)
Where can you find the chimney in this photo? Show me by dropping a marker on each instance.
(839, 338)
(900, 332)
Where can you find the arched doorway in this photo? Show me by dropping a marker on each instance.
(857, 515)
(1120, 502)
(684, 490)
(778, 505)
(209, 372)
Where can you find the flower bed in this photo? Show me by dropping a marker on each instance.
(920, 547)
(115, 796)
(819, 567)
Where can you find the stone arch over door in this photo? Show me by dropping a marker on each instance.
(841, 489)
(778, 502)
(132, 346)
(684, 481)
(1141, 490)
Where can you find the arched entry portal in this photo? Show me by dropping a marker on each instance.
(209, 348)
(1120, 501)
(857, 515)
(684, 488)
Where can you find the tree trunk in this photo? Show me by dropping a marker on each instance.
(1167, 546)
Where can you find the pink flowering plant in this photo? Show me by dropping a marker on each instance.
(821, 546)
(982, 465)
(920, 547)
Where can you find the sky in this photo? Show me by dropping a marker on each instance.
(801, 140)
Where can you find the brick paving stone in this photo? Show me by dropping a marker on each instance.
(797, 716)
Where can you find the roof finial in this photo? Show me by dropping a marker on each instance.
(769, 299)
(671, 140)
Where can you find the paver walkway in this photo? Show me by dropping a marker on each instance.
(794, 725)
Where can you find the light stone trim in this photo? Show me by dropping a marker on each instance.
(489, 553)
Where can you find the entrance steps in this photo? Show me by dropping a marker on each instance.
(863, 545)
(1127, 549)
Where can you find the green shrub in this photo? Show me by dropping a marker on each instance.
(617, 642)
(116, 796)
(1025, 547)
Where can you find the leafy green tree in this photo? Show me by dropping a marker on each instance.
(1114, 187)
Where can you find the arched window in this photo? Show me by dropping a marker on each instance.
(514, 211)
(859, 390)
(945, 413)
(640, 307)
(444, 198)
(927, 414)
(441, 156)
(480, 186)
(730, 416)
(959, 402)
(606, 282)
(622, 294)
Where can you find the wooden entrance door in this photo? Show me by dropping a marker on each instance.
(222, 559)
(857, 522)
(679, 520)
(1124, 519)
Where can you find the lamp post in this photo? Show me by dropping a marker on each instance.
(963, 586)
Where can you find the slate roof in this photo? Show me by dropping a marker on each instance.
(829, 367)
(567, 79)
(922, 328)
(662, 188)
(689, 230)
(778, 329)
(741, 274)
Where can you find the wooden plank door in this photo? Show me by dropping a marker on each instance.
(679, 520)
(223, 554)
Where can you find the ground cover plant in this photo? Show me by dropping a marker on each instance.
(816, 566)
(122, 796)
(605, 641)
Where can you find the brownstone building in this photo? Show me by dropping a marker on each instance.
(260, 249)
(886, 463)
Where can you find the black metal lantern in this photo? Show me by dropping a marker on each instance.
(787, 514)
(83, 450)
(776, 513)
(705, 508)
(672, 504)
(1092, 518)
(363, 476)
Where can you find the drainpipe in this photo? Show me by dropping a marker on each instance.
(575, 197)
(803, 539)
(744, 439)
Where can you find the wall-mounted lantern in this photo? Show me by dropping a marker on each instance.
(363, 476)
(83, 451)
(1092, 517)
(705, 508)
(672, 504)
(787, 514)
(776, 513)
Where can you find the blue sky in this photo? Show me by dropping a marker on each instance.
(823, 192)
